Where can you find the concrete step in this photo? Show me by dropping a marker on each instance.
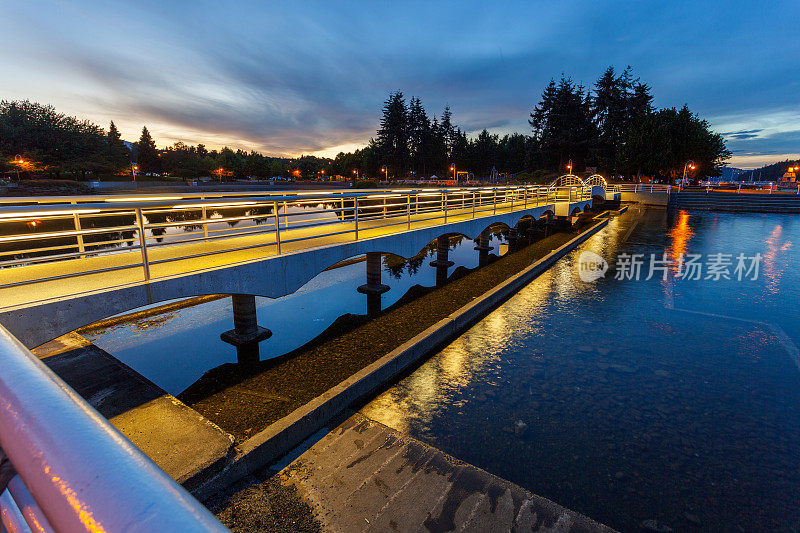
(364, 476)
(186, 445)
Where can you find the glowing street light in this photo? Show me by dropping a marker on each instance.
(385, 170)
(688, 165)
(453, 168)
(355, 171)
(134, 168)
(19, 162)
(569, 166)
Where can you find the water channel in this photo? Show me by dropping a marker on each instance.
(676, 401)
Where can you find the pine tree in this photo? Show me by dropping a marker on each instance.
(118, 154)
(393, 135)
(419, 135)
(148, 155)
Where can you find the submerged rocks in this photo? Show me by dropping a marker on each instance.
(654, 525)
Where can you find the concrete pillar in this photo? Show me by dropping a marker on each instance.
(373, 288)
(483, 248)
(442, 262)
(246, 333)
(513, 240)
(442, 251)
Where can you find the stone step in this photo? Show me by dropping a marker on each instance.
(186, 445)
(391, 482)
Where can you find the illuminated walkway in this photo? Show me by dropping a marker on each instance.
(40, 300)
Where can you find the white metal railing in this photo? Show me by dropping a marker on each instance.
(643, 187)
(144, 231)
(74, 471)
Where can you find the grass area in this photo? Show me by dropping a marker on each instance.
(244, 404)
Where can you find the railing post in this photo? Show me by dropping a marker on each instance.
(525, 196)
(277, 228)
(494, 201)
(76, 218)
(143, 243)
(473, 204)
(444, 196)
(408, 211)
(356, 212)
(205, 219)
(513, 194)
(285, 214)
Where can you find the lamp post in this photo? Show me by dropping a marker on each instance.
(691, 166)
(18, 161)
(569, 167)
(134, 168)
(356, 173)
(453, 168)
(385, 171)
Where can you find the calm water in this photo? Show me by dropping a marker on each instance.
(175, 349)
(676, 401)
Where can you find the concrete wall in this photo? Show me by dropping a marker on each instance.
(272, 276)
(648, 198)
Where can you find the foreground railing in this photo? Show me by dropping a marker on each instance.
(148, 231)
(74, 471)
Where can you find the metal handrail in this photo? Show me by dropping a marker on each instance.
(642, 187)
(74, 468)
(131, 229)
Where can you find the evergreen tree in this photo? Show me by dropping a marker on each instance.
(419, 136)
(118, 154)
(147, 157)
(393, 135)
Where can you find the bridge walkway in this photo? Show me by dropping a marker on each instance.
(45, 281)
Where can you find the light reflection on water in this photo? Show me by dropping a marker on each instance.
(175, 349)
(602, 398)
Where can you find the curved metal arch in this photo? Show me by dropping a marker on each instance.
(597, 179)
(568, 180)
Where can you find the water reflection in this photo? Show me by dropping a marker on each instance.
(191, 336)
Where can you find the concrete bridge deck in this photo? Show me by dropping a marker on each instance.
(39, 302)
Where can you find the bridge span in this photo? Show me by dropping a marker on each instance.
(66, 262)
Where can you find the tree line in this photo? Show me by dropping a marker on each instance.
(37, 139)
(612, 128)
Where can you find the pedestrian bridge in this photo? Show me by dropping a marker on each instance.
(69, 261)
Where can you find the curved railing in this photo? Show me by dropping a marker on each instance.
(55, 240)
(73, 470)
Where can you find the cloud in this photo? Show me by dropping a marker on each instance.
(289, 78)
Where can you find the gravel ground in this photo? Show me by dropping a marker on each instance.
(261, 503)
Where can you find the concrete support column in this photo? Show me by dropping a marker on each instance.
(513, 240)
(442, 251)
(373, 288)
(246, 333)
(483, 248)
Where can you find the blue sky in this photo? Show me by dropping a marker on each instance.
(310, 77)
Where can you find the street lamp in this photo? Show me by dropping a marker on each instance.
(385, 170)
(691, 166)
(19, 162)
(569, 166)
(134, 168)
(453, 168)
(355, 171)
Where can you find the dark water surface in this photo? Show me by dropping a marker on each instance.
(676, 401)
